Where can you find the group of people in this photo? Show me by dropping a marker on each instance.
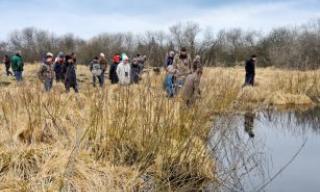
(182, 74)
(63, 68)
(16, 63)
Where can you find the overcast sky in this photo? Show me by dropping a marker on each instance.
(86, 18)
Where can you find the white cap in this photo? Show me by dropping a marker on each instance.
(49, 54)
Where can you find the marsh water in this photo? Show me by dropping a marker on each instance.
(268, 151)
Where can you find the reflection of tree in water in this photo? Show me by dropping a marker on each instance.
(297, 123)
(235, 154)
(309, 119)
(242, 162)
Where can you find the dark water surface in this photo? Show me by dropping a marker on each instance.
(268, 151)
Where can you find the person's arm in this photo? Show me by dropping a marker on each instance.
(40, 72)
(91, 66)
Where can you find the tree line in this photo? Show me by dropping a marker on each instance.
(295, 47)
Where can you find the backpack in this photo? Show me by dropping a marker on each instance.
(96, 69)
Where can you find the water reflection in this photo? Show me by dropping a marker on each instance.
(249, 118)
(251, 148)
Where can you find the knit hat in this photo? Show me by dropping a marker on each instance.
(124, 57)
(61, 54)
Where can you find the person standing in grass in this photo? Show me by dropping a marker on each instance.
(197, 62)
(135, 70)
(70, 74)
(17, 65)
(183, 65)
(113, 69)
(6, 61)
(191, 89)
(97, 72)
(104, 66)
(46, 72)
(170, 80)
(169, 60)
(250, 71)
(124, 70)
(58, 67)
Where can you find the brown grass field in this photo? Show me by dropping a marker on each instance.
(127, 138)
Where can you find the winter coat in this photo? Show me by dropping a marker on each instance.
(113, 73)
(169, 61)
(191, 89)
(103, 64)
(183, 67)
(70, 74)
(58, 69)
(135, 73)
(197, 64)
(17, 63)
(46, 72)
(124, 73)
(250, 67)
(95, 68)
(6, 61)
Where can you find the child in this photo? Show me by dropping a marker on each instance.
(46, 72)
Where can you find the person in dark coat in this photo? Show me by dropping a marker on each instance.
(250, 71)
(70, 74)
(6, 61)
(58, 67)
(113, 69)
(74, 57)
(135, 71)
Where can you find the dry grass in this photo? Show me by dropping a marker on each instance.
(124, 138)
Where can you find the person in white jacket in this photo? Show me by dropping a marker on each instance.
(124, 70)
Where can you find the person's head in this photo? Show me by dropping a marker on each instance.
(183, 53)
(61, 55)
(69, 59)
(198, 58)
(96, 58)
(19, 53)
(135, 61)
(6, 56)
(125, 58)
(254, 57)
(171, 53)
(49, 58)
(138, 55)
(102, 56)
(116, 59)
